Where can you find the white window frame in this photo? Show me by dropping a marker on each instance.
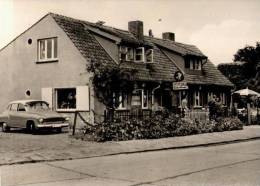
(152, 57)
(223, 98)
(194, 63)
(147, 94)
(82, 103)
(121, 107)
(210, 96)
(130, 50)
(199, 65)
(46, 48)
(196, 96)
(142, 54)
(56, 100)
(126, 50)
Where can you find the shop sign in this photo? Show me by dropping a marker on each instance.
(180, 86)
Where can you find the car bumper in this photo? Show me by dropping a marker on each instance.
(54, 125)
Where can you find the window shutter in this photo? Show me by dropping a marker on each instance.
(47, 95)
(82, 98)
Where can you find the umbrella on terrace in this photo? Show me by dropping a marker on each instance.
(246, 92)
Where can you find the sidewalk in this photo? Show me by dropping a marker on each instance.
(63, 147)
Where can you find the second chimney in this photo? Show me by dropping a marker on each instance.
(136, 28)
(169, 36)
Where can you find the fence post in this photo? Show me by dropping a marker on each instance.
(74, 124)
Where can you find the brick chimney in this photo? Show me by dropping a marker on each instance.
(136, 28)
(169, 36)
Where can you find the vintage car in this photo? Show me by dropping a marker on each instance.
(32, 115)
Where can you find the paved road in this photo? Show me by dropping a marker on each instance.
(233, 164)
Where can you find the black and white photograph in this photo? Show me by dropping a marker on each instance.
(129, 93)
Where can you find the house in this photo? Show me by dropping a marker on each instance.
(48, 61)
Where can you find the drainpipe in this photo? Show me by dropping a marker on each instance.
(153, 94)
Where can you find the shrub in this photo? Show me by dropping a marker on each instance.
(160, 124)
(229, 123)
(186, 126)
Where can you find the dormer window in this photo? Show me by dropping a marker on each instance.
(139, 54)
(126, 53)
(193, 64)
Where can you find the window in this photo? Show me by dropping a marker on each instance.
(67, 99)
(126, 53)
(130, 54)
(197, 99)
(139, 54)
(223, 98)
(144, 99)
(122, 101)
(21, 107)
(149, 55)
(210, 96)
(14, 107)
(47, 49)
(193, 63)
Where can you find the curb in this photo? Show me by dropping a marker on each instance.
(138, 151)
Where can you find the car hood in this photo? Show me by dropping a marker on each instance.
(45, 114)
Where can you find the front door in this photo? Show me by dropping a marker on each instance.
(167, 99)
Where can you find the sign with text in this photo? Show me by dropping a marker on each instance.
(180, 86)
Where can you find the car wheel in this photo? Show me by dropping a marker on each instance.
(31, 127)
(5, 128)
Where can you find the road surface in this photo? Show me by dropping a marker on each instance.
(231, 164)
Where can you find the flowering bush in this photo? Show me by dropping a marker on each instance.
(229, 123)
(159, 125)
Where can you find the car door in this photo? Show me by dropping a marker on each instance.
(12, 115)
(20, 116)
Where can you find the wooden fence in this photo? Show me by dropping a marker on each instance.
(126, 115)
(201, 115)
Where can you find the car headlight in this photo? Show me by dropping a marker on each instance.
(67, 119)
(40, 120)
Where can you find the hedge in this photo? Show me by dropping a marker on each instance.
(160, 125)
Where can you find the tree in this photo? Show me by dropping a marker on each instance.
(109, 80)
(245, 74)
(250, 55)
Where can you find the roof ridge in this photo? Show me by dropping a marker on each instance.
(178, 44)
(88, 22)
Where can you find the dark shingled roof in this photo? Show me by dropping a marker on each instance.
(82, 39)
(211, 76)
(162, 70)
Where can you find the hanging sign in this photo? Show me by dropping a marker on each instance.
(180, 86)
(178, 76)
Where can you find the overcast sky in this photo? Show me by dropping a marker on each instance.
(218, 27)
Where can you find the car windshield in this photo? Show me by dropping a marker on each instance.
(38, 105)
